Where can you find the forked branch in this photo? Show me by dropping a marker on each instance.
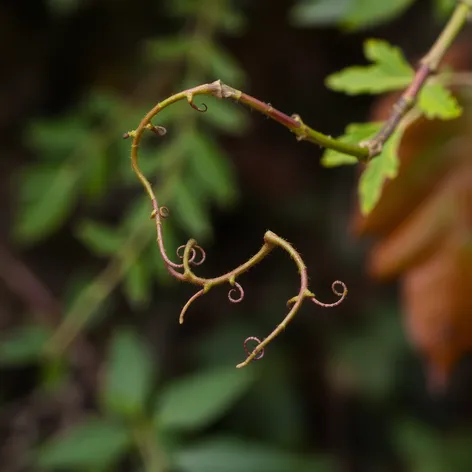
(194, 255)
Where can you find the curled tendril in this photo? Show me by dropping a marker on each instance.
(260, 354)
(202, 252)
(240, 293)
(194, 251)
(342, 294)
(164, 212)
(180, 253)
(202, 109)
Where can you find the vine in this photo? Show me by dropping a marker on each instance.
(364, 151)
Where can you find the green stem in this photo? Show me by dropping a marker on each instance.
(448, 35)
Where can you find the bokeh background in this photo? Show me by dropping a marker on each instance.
(96, 374)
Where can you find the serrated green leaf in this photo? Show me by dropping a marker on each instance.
(435, 101)
(370, 13)
(40, 216)
(137, 283)
(23, 345)
(389, 71)
(226, 454)
(319, 12)
(190, 210)
(93, 444)
(195, 401)
(225, 116)
(389, 57)
(355, 134)
(378, 170)
(211, 168)
(129, 375)
(101, 239)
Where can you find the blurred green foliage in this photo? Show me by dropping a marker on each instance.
(216, 418)
(356, 14)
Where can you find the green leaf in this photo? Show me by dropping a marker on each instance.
(435, 101)
(101, 239)
(43, 214)
(389, 71)
(137, 283)
(378, 170)
(355, 134)
(389, 57)
(370, 13)
(319, 12)
(94, 444)
(129, 375)
(190, 210)
(212, 168)
(195, 401)
(226, 454)
(350, 14)
(23, 345)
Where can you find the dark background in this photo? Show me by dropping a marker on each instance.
(341, 383)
